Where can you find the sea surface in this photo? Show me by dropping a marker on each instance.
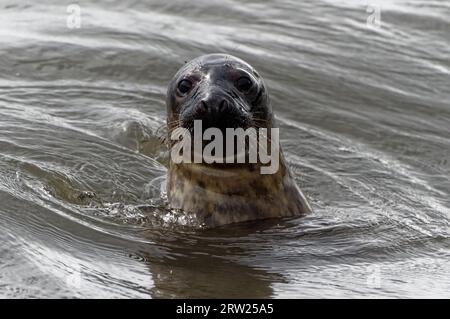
(361, 92)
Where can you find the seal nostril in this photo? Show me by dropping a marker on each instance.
(203, 107)
(223, 106)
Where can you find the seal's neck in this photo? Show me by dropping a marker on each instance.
(222, 195)
(236, 179)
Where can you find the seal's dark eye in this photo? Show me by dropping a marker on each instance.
(244, 84)
(184, 86)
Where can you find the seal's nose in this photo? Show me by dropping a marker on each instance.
(213, 105)
(215, 108)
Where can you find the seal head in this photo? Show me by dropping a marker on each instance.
(221, 90)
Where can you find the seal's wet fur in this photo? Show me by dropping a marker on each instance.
(220, 194)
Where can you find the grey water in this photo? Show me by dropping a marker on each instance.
(361, 92)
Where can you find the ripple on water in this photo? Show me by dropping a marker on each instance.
(364, 124)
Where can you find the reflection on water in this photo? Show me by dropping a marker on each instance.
(363, 108)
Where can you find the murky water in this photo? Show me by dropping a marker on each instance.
(364, 114)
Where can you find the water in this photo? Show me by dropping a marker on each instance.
(365, 124)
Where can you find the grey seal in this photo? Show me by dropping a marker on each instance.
(225, 92)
